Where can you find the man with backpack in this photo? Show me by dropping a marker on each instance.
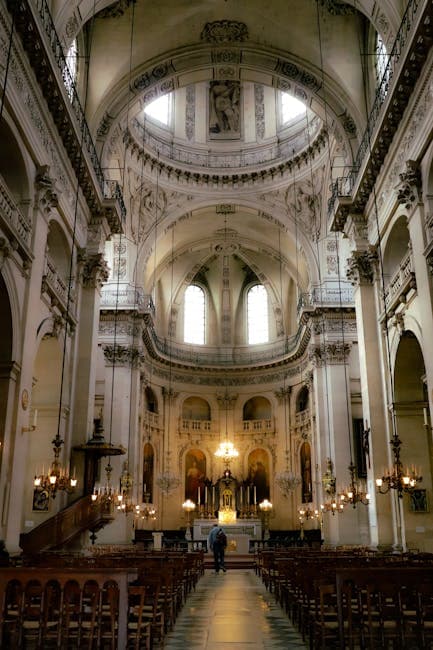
(217, 542)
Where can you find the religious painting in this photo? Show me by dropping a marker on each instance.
(195, 474)
(258, 475)
(148, 464)
(41, 500)
(224, 110)
(307, 487)
(418, 501)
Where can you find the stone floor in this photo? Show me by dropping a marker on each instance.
(232, 611)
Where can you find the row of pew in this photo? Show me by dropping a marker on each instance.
(343, 599)
(111, 601)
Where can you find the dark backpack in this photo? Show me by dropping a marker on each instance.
(221, 538)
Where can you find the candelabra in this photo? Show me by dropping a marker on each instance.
(354, 493)
(188, 507)
(58, 477)
(394, 477)
(266, 508)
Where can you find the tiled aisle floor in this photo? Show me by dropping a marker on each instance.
(232, 611)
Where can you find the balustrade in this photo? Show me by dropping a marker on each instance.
(258, 426)
(401, 282)
(12, 215)
(196, 426)
(302, 418)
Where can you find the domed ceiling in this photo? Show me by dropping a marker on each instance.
(221, 162)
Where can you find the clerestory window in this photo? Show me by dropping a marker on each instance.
(382, 68)
(194, 315)
(257, 315)
(290, 108)
(70, 74)
(160, 110)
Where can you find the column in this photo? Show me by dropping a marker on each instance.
(373, 364)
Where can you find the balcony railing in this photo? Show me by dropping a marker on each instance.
(196, 426)
(126, 297)
(302, 418)
(344, 187)
(258, 426)
(151, 419)
(219, 356)
(329, 296)
(31, 14)
(401, 282)
(14, 219)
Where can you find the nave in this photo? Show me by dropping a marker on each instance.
(232, 611)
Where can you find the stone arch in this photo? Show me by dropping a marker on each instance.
(14, 167)
(196, 408)
(410, 399)
(396, 248)
(302, 399)
(257, 408)
(151, 400)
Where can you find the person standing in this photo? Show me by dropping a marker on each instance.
(217, 542)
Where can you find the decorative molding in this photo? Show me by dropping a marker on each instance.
(116, 9)
(224, 31)
(5, 250)
(283, 394)
(169, 393)
(259, 110)
(190, 112)
(46, 188)
(121, 355)
(361, 267)
(330, 354)
(226, 401)
(95, 271)
(338, 8)
(349, 124)
(409, 188)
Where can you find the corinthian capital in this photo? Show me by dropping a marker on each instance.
(360, 266)
(123, 355)
(95, 271)
(409, 188)
(335, 353)
(46, 189)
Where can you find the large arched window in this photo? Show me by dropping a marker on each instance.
(194, 315)
(381, 62)
(70, 77)
(161, 109)
(257, 315)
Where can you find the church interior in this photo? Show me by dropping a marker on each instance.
(216, 259)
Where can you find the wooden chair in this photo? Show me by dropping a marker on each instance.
(139, 626)
(108, 622)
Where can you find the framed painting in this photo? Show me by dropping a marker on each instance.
(418, 501)
(41, 500)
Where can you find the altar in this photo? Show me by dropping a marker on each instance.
(239, 533)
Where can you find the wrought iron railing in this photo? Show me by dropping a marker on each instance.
(330, 296)
(109, 189)
(253, 156)
(219, 356)
(375, 114)
(126, 297)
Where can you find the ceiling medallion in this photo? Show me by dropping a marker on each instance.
(224, 31)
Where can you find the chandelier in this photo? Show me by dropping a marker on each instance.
(355, 492)
(57, 478)
(227, 451)
(287, 481)
(105, 496)
(395, 478)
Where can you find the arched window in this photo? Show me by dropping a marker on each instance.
(381, 62)
(290, 108)
(194, 315)
(70, 76)
(257, 315)
(160, 110)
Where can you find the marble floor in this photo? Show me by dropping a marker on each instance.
(232, 611)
